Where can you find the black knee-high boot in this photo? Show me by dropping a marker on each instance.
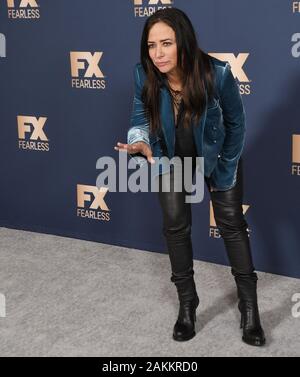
(184, 328)
(253, 333)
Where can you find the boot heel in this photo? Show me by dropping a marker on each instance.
(253, 334)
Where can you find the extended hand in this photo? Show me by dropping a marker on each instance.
(139, 147)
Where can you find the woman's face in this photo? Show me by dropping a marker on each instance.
(162, 47)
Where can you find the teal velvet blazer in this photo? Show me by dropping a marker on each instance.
(219, 137)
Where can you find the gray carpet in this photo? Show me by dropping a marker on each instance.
(68, 297)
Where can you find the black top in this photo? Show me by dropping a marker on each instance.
(184, 137)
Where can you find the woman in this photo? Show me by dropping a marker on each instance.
(205, 118)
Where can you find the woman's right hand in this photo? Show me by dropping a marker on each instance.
(138, 147)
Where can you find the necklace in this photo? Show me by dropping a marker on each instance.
(177, 98)
(176, 95)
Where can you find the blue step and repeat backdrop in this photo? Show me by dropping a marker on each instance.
(66, 92)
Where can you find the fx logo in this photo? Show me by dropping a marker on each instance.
(23, 3)
(296, 149)
(27, 123)
(153, 2)
(79, 60)
(296, 6)
(236, 63)
(2, 46)
(86, 193)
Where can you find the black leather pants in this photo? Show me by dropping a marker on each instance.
(229, 217)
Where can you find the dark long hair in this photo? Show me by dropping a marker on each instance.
(195, 65)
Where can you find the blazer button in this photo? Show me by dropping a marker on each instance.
(215, 141)
(214, 127)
